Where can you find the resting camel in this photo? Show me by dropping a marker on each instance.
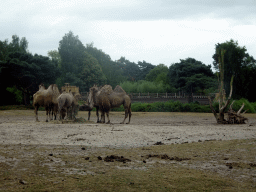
(107, 98)
(46, 98)
(69, 103)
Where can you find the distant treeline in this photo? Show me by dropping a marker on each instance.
(84, 65)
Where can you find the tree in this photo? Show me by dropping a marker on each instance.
(145, 68)
(238, 63)
(78, 67)
(55, 57)
(71, 51)
(91, 73)
(157, 74)
(112, 71)
(25, 72)
(185, 75)
(233, 116)
(21, 72)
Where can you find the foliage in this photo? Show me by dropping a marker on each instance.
(191, 75)
(240, 64)
(144, 87)
(17, 93)
(169, 106)
(55, 57)
(250, 107)
(145, 68)
(20, 71)
(177, 106)
(78, 67)
(71, 51)
(111, 70)
(91, 73)
(133, 71)
(158, 74)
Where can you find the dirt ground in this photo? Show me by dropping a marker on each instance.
(145, 129)
(34, 155)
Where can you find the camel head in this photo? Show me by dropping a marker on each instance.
(77, 96)
(93, 91)
(41, 86)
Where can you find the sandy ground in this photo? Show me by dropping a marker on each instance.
(145, 129)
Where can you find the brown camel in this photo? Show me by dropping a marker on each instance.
(46, 98)
(107, 98)
(69, 103)
(94, 92)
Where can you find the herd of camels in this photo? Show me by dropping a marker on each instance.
(66, 103)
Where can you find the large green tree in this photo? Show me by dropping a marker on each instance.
(191, 75)
(22, 72)
(159, 73)
(71, 51)
(112, 71)
(78, 67)
(91, 73)
(240, 64)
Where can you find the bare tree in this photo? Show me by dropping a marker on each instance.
(233, 116)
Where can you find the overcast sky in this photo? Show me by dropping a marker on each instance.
(157, 31)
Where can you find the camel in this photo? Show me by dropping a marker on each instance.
(69, 103)
(95, 90)
(46, 98)
(107, 98)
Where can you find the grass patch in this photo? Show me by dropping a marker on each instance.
(82, 168)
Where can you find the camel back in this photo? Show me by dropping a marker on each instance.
(55, 92)
(119, 89)
(106, 89)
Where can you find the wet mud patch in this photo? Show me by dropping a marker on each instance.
(166, 157)
(113, 158)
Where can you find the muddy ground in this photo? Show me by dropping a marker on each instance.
(145, 129)
(200, 144)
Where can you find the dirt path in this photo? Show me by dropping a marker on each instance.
(146, 129)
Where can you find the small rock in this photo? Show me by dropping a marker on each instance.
(100, 158)
(23, 182)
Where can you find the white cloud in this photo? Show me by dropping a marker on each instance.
(163, 31)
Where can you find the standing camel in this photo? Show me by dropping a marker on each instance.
(107, 98)
(68, 102)
(46, 98)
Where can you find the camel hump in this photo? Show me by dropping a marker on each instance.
(119, 89)
(106, 89)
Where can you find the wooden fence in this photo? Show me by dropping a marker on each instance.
(162, 97)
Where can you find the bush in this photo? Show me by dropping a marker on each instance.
(247, 105)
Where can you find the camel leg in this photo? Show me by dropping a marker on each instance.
(102, 117)
(130, 114)
(47, 112)
(36, 112)
(97, 114)
(108, 117)
(126, 115)
(89, 115)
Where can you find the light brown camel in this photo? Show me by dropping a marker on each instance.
(46, 98)
(87, 107)
(107, 98)
(68, 102)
